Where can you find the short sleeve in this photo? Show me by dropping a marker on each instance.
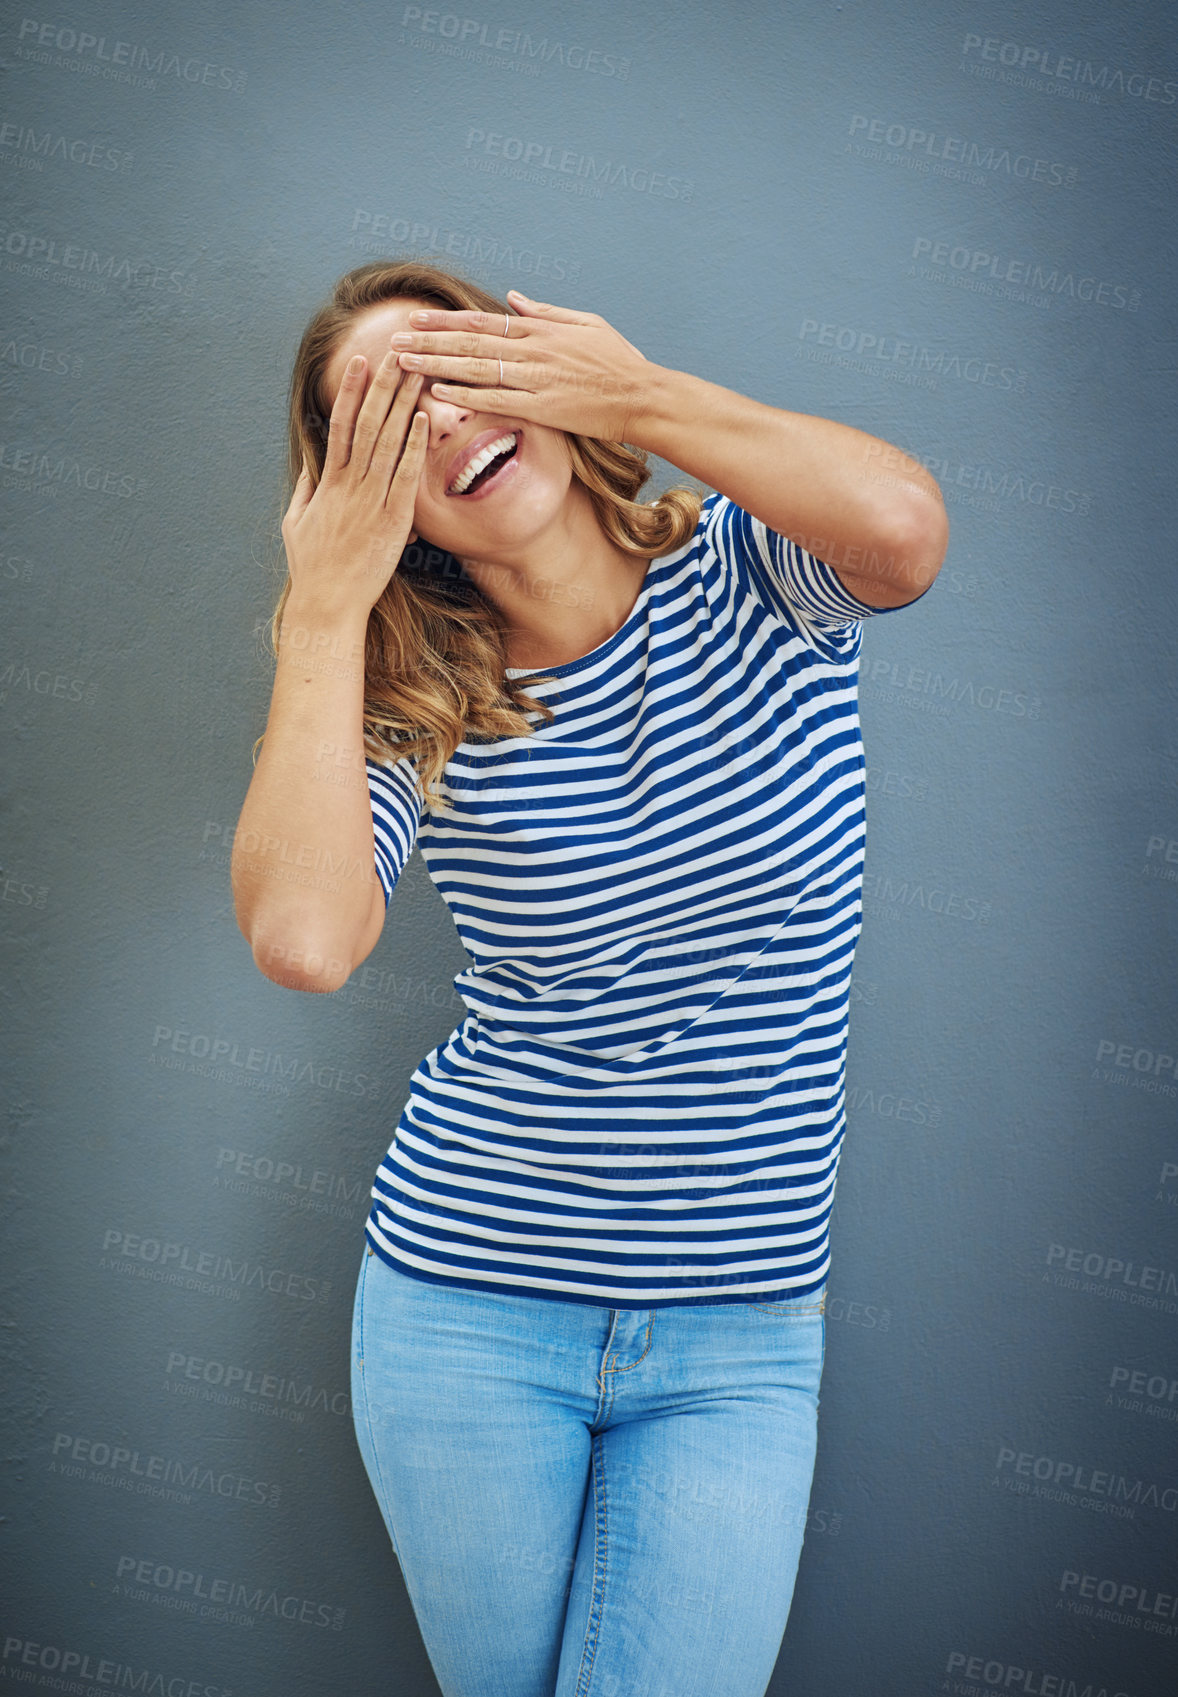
(807, 591)
(396, 814)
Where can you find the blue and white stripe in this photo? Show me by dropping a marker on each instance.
(660, 893)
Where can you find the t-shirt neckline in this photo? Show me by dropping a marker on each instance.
(637, 612)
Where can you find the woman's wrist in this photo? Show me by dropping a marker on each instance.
(652, 421)
(310, 618)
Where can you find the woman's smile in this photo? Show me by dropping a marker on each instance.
(495, 473)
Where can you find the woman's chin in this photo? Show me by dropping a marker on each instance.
(505, 525)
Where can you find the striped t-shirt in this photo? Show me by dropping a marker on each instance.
(659, 892)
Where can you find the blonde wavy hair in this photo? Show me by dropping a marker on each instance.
(436, 647)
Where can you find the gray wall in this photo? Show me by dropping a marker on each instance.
(943, 224)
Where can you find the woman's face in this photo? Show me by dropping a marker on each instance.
(516, 507)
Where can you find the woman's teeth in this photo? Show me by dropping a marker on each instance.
(481, 461)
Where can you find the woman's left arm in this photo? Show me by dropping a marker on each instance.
(870, 511)
(864, 507)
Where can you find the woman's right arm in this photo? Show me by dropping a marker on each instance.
(303, 869)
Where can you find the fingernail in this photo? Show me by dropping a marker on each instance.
(419, 318)
(355, 363)
(511, 292)
(402, 339)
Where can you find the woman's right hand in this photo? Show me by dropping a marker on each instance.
(343, 538)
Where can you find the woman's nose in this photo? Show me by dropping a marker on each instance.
(446, 418)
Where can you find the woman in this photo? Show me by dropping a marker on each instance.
(589, 1323)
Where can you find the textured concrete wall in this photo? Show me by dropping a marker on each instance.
(947, 225)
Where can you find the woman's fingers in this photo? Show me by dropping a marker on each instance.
(454, 368)
(497, 323)
(358, 415)
(298, 501)
(393, 433)
(556, 314)
(410, 462)
(485, 323)
(375, 430)
(345, 536)
(342, 422)
(386, 379)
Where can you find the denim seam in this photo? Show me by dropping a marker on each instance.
(600, 1570)
(630, 1365)
(384, 1495)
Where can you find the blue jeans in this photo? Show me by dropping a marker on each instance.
(584, 1501)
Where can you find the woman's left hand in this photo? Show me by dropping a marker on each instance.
(570, 370)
